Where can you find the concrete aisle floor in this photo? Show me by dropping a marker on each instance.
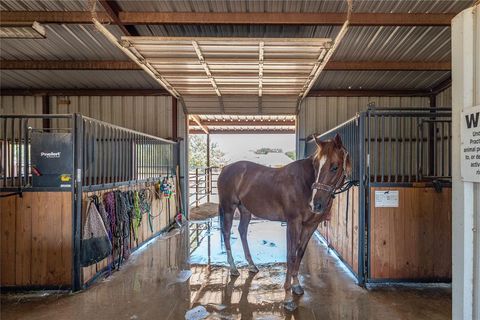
(152, 286)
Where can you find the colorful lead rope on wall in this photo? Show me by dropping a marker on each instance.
(167, 188)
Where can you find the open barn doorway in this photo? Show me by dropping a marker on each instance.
(216, 141)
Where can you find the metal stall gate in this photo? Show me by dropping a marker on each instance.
(49, 164)
(397, 226)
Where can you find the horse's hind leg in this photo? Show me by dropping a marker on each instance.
(227, 219)
(245, 217)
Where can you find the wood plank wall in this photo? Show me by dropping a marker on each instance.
(340, 234)
(413, 241)
(160, 223)
(36, 239)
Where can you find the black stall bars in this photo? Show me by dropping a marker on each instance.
(74, 153)
(392, 147)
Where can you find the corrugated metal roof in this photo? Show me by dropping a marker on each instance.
(395, 43)
(64, 42)
(255, 31)
(380, 80)
(417, 6)
(76, 79)
(44, 5)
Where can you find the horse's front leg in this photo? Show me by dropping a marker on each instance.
(293, 237)
(305, 236)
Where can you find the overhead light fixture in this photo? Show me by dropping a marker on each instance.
(12, 30)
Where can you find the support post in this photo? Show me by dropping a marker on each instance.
(465, 195)
(208, 170)
(196, 187)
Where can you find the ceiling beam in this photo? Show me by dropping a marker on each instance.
(199, 123)
(213, 123)
(113, 10)
(282, 131)
(162, 92)
(257, 18)
(130, 65)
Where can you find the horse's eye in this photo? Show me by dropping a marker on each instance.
(334, 168)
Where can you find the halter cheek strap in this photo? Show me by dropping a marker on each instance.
(333, 188)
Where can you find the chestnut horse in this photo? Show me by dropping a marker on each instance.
(299, 194)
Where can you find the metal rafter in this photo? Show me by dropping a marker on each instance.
(136, 58)
(204, 64)
(198, 121)
(130, 65)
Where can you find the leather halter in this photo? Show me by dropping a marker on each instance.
(331, 189)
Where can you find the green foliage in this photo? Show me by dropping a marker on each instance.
(291, 155)
(197, 153)
(266, 150)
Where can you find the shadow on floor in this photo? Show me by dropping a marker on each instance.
(164, 281)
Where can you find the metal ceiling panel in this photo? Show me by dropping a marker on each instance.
(380, 80)
(76, 79)
(395, 44)
(414, 6)
(44, 5)
(64, 42)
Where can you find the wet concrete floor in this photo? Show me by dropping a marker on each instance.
(164, 281)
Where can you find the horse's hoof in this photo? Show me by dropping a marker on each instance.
(234, 272)
(290, 305)
(298, 290)
(253, 269)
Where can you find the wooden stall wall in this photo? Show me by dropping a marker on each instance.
(341, 232)
(36, 240)
(413, 241)
(163, 218)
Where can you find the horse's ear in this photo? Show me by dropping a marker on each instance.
(338, 141)
(319, 142)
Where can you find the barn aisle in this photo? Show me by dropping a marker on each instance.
(161, 282)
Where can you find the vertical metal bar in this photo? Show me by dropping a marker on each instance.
(103, 154)
(449, 151)
(382, 158)
(398, 144)
(419, 156)
(375, 157)
(117, 154)
(196, 187)
(435, 147)
(442, 154)
(364, 177)
(4, 147)
(85, 151)
(77, 196)
(26, 166)
(12, 155)
(389, 155)
(95, 153)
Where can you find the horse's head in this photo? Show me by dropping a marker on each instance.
(332, 165)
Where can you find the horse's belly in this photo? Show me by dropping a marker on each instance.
(263, 208)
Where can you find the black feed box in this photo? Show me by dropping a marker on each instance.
(52, 159)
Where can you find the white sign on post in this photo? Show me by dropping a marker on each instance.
(470, 150)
